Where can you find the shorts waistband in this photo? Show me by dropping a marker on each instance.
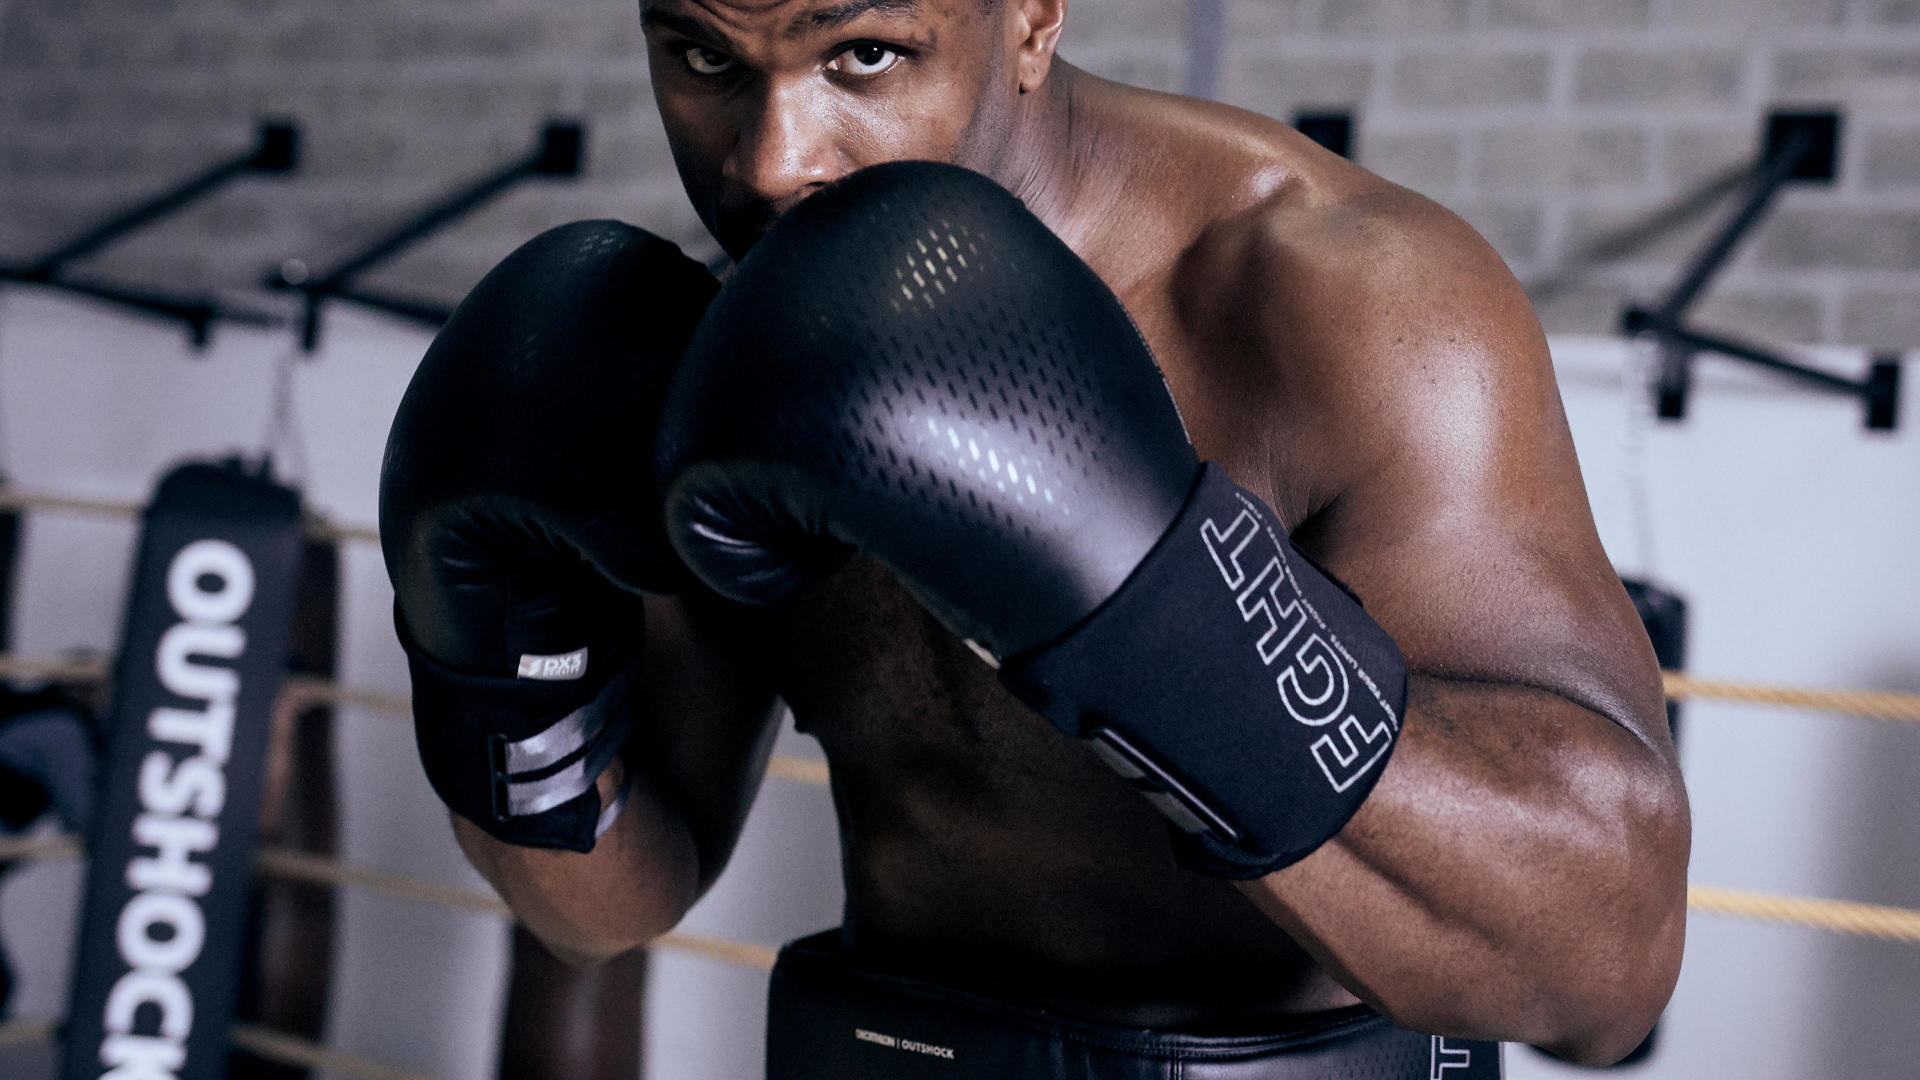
(829, 1017)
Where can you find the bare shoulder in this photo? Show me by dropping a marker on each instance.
(1367, 305)
(1367, 362)
(1315, 301)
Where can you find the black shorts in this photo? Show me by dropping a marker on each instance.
(828, 1018)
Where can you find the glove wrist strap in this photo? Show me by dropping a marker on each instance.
(519, 757)
(1243, 690)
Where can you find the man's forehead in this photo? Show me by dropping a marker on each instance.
(794, 17)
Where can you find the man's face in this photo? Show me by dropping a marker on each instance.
(766, 101)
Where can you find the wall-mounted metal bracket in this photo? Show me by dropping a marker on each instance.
(557, 154)
(1332, 130)
(276, 150)
(197, 315)
(1797, 147)
(1817, 134)
(1878, 390)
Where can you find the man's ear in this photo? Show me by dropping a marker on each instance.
(1036, 26)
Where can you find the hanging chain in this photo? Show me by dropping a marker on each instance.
(283, 444)
(1642, 374)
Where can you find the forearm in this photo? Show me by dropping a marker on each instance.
(1520, 878)
(638, 881)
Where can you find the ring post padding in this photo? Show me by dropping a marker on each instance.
(202, 655)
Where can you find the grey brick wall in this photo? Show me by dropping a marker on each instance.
(1552, 125)
(102, 101)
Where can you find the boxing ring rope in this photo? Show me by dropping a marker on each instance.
(27, 1032)
(1889, 706)
(287, 864)
(1839, 916)
(13, 498)
(324, 870)
(284, 1049)
(1895, 707)
(265, 1043)
(305, 691)
(300, 693)
(1877, 705)
(1869, 920)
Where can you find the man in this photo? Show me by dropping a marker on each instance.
(1364, 368)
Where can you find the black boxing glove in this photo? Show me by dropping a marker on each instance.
(515, 530)
(911, 365)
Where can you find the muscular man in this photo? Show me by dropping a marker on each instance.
(1367, 372)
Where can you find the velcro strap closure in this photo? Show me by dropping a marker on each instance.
(1242, 689)
(566, 736)
(519, 757)
(525, 768)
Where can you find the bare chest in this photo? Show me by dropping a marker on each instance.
(967, 821)
(972, 829)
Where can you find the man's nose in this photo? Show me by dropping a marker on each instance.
(785, 146)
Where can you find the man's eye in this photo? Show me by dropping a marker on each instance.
(865, 59)
(704, 61)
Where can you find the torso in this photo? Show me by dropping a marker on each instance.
(976, 840)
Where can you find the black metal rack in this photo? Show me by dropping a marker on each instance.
(1800, 147)
(557, 154)
(275, 151)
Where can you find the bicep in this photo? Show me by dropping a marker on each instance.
(1468, 534)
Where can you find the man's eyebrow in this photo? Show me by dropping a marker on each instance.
(679, 24)
(843, 13)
